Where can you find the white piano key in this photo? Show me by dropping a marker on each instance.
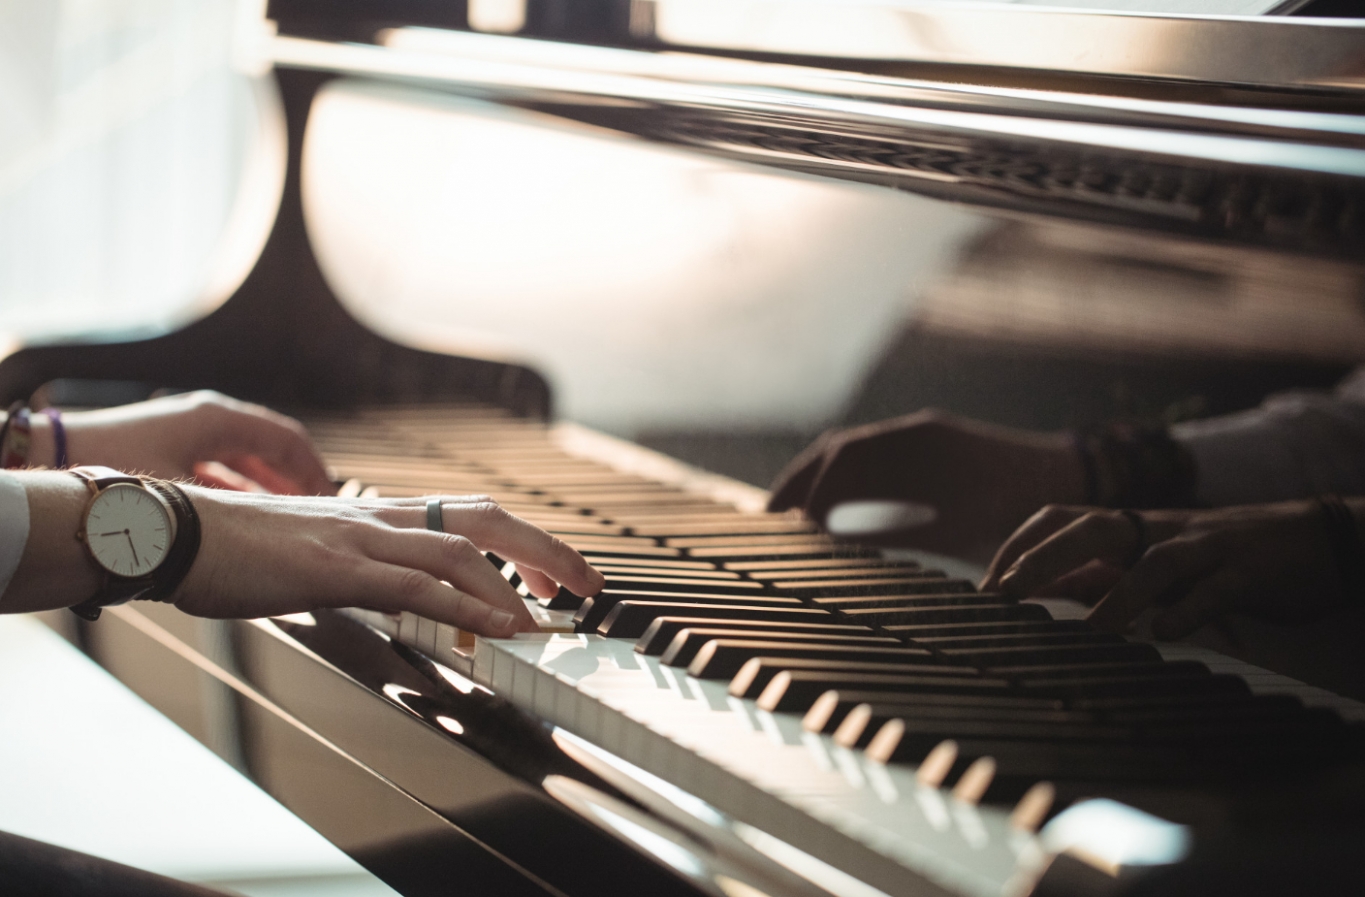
(426, 636)
(631, 707)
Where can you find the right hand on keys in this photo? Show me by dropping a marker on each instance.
(271, 555)
(266, 555)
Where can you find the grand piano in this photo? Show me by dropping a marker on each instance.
(1174, 204)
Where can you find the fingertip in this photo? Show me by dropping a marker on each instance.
(597, 581)
(1011, 583)
(502, 624)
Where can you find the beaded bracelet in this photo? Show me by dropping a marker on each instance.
(59, 456)
(1133, 466)
(16, 437)
(1344, 538)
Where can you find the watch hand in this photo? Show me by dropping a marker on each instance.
(132, 548)
(120, 532)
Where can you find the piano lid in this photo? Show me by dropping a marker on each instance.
(1287, 178)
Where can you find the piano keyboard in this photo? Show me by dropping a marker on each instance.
(880, 716)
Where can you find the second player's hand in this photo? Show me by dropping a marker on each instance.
(1270, 561)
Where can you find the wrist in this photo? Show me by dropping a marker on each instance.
(55, 571)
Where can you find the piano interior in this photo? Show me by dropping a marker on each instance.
(614, 263)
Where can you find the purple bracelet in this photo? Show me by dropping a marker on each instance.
(60, 461)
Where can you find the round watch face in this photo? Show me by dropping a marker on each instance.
(128, 530)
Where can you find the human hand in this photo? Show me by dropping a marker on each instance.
(1270, 561)
(265, 555)
(217, 440)
(974, 482)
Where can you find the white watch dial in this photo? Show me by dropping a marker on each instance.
(128, 530)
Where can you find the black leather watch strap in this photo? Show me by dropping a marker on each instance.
(173, 570)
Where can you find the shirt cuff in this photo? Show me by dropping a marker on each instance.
(13, 529)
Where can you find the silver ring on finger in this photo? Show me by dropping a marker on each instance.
(435, 521)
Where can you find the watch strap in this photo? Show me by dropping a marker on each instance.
(176, 565)
(100, 478)
(161, 583)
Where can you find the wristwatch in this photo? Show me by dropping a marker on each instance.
(128, 529)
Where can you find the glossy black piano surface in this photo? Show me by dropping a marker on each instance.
(1137, 215)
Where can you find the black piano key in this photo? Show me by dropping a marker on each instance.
(1185, 724)
(797, 682)
(595, 550)
(594, 610)
(643, 564)
(1019, 627)
(562, 600)
(610, 570)
(863, 721)
(688, 642)
(1235, 745)
(839, 588)
(883, 571)
(794, 540)
(722, 658)
(664, 583)
(1013, 639)
(736, 553)
(1223, 707)
(796, 566)
(1164, 669)
(656, 639)
(1025, 655)
(1117, 686)
(906, 599)
(830, 709)
(978, 613)
(604, 542)
(629, 619)
(735, 526)
(1044, 760)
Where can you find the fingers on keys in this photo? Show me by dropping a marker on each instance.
(423, 562)
(1155, 579)
(1061, 546)
(543, 560)
(411, 589)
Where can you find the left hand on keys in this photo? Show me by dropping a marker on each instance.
(205, 435)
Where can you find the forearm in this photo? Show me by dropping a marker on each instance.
(1291, 447)
(55, 571)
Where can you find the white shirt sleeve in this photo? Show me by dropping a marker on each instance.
(1295, 445)
(13, 528)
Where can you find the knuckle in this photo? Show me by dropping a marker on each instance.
(1056, 513)
(1090, 519)
(486, 506)
(458, 545)
(410, 583)
(208, 398)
